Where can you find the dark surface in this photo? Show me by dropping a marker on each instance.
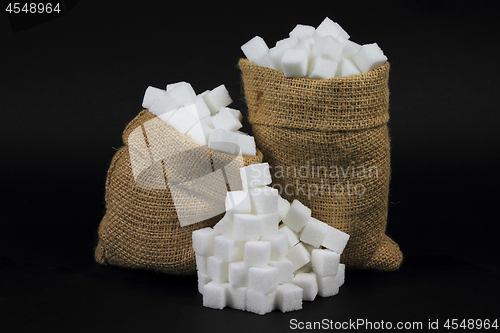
(69, 86)
(427, 288)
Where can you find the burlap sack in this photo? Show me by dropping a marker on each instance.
(141, 228)
(328, 146)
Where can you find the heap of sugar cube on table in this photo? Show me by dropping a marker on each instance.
(205, 117)
(318, 53)
(248, 261)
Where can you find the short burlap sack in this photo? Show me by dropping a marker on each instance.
(327, 144)
(156, 182)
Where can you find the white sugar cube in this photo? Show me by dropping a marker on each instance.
(166, 116)
(298, 255)
(350, 47)
(238, 202)
(330, 28)
(255, 48)
(307, 268)
(238, 274)
(199, 108)
(297, 216)
(264, 200)
(257, 253)
(203, 279)
(203, 241)
(276, 54)
(283, 207)
(301, 32)
(217, 269)
(269, 223)
(236, 297)
(224, 140)
(203, 93)
(347, 68)
(306, 44)
(369, 57)
(287, 42)
(182, 93)
(314, 232)
(260, 303)
(322, 67)
(246, 144)
(289, 297)
(192, 110)
(237, 114)
(279, 245)
(255, 175)
(217, 98)
(340, 276)
(214, 295)
(325, 262)
(150, 96)
(335, 240)
(197, 133)
(285, 270)
(309, 247)
(225, 225)
(228, 249)
(206, 129)
(226, 119)
(327, 286)
(263, 279)
(246, 227)
(295, 62)
(309, 285)
(208, 121)
(328, 47)
(182, 120)
(172, 85)
(163, 104)
(201, 264)
(292, 236)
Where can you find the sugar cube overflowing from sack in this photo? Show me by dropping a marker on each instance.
(323, 52)
(205, 118)
(252, 262)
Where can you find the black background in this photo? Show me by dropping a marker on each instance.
(69, 86)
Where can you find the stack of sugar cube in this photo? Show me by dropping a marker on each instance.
(248, 262)
(205, 118)
(318, 53)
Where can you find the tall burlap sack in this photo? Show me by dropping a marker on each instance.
(313, 134)
(141, 227)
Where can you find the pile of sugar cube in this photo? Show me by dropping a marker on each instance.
(318, 53)
(248, 261)
(205, 118)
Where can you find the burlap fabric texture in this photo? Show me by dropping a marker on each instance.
(141, 228)
(328, 146)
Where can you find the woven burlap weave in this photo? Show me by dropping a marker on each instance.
(328, 146)
(141, 228)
